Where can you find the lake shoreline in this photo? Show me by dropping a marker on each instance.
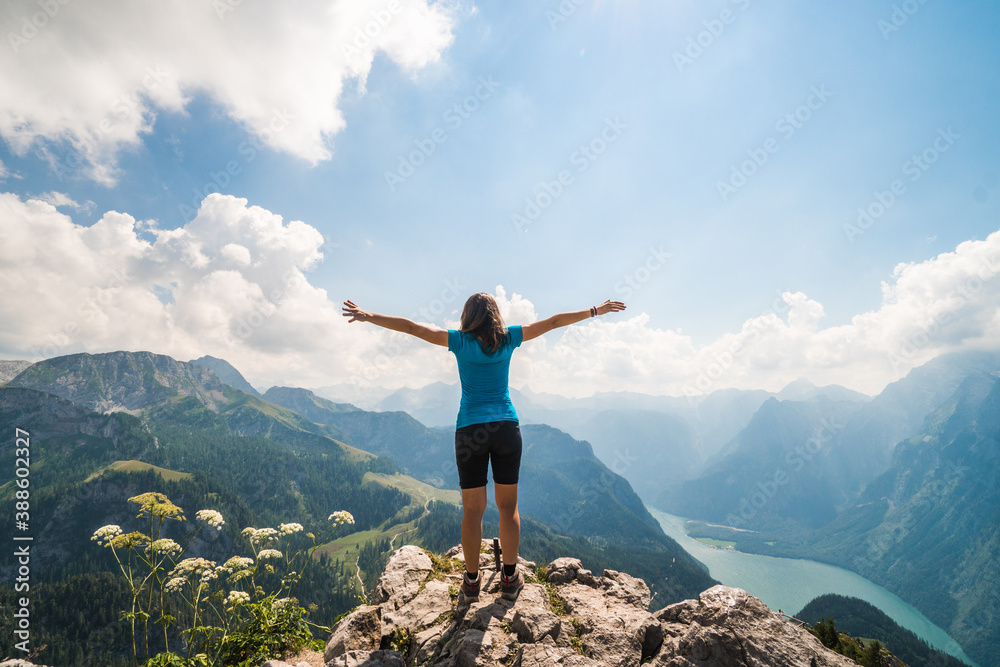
(790, 583)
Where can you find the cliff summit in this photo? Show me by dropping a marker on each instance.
(564, 615)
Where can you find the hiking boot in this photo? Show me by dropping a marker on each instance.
(510, 587)
(470, 589)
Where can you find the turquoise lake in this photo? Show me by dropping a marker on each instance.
(788, 583)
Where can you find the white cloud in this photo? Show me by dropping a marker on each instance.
(233, 283)
(58, 199)
(85, 80)
(516, 309)
(3, 171)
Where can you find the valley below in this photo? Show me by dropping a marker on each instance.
(789, 584)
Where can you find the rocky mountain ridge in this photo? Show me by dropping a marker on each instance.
(564, 615)
(122, 381)
(9, 369)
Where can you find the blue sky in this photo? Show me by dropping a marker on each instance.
(879, 96)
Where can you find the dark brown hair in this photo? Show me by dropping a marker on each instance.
(481, 318)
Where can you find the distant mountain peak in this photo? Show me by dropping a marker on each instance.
(123, 380)
(798, 384)
(307, 403)
(11, 368)
(227, 373)
(803, 389)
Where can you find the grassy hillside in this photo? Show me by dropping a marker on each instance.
(142, 466)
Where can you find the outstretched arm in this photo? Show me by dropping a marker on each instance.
(536, 329)
(430, 334)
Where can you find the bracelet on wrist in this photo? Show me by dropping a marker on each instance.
(593, 311)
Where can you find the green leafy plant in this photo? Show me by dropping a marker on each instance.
(574, 638)
(556, 601)
(511, 656)
(401, 641)
(234, 619)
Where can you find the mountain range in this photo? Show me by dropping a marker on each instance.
(928, 527)
(900, 487)
(674, 437)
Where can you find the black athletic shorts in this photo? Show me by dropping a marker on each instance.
(476, 445)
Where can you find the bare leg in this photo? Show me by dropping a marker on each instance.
(510, 521)
(473, 506)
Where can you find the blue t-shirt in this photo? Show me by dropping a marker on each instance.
(485, 396)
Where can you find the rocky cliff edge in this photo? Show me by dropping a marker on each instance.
(565, 615)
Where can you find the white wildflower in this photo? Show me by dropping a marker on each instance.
(289, 528)
(340, 517)
(268, 553)
(165, 546)
(240, 575)
(175, 584)
(190, 566)
(105, 534)
(238, 568)
(281, 604)
(210, 517)
(237, 598)
(260, 535)
(238, 563)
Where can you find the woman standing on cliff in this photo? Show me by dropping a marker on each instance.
(487, 428)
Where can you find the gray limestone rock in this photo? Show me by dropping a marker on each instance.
(574, 619)
(408, 567)
(368, 659)
(361, 630)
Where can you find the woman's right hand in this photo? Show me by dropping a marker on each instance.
(351, 310)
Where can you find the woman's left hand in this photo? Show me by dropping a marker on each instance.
(610, 306)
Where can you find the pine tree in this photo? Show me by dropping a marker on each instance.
(872, 655)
